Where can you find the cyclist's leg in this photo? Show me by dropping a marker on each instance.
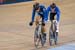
(51, 19)
(43, 29)
(56, 33)
(57, 28)
(51, 37)
(43, 36)
(43, 26)
(36, 23)
(36, 35)
(52, 15)
(37, 20)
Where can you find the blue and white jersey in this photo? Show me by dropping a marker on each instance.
(56, 10)
(42, 12)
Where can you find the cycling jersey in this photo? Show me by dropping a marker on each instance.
(55, 11)
(42, 13)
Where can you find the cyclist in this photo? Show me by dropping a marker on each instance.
(41, 13)
(54, 10)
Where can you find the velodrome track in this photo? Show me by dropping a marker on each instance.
(16, 34)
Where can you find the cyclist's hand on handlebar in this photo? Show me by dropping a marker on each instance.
(43, 24)
(31, 23)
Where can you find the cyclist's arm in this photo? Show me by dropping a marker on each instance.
(48, 10)
(45, 15)
(33, 15)
(58, 14)
(58, 17)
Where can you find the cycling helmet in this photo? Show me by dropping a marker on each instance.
(36, 6)
(53, 5)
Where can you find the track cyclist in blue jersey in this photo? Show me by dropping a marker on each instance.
(39, 12)
(54, 15)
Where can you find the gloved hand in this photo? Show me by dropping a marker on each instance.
(43, 23)
(31, 23)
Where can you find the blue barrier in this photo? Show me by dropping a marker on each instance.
(65, 47)
(14, 1)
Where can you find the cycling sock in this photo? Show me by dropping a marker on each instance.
(44, 35)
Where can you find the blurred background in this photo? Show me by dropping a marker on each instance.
(12, 1)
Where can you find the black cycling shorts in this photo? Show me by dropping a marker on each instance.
(52, 16)
(42, 17)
